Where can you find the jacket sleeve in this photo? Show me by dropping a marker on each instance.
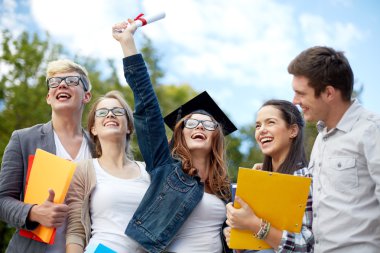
(12, 210)
(75, 233)
(149, 124)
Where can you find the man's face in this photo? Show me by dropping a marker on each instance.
(67, 98)
(313, 108)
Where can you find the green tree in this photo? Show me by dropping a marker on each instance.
(22, 85)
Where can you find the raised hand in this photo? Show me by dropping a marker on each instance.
(123, 32)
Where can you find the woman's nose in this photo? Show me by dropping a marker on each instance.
(200, 125)
(110, 115)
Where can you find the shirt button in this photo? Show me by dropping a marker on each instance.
(320, 164)
(319, 189)
(324, 138)
(339, 165)
(315, 215)
(317, 241)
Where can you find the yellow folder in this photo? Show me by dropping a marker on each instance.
(48, 172)
(278, 198)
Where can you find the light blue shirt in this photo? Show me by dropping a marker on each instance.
(345, 163)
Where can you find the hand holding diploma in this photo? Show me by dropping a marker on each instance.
(141, 20)
(123, 32)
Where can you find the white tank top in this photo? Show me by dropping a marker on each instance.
(201, 231)
(59, 245)
(112, 205)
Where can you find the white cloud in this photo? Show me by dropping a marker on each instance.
(219, 45)
(82, 26)
(317, 30)
(231, 41)
(10, 19)
(14, 22)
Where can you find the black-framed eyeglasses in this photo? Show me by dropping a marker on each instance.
(207, 124)
(54, 82)
(103, 112)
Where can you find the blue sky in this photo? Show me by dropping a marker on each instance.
(236, 50)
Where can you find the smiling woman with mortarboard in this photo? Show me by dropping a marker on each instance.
(184, 208)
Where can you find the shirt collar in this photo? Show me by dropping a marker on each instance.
(348, 120)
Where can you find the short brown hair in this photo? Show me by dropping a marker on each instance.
(324, 66)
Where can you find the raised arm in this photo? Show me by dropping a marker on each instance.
(149, 124)
(125, 38)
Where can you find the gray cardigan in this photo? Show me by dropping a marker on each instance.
(13, 211)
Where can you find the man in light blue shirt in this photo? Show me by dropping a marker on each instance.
(345, 159)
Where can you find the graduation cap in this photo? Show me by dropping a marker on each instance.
(202, 104)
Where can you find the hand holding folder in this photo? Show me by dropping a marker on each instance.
(51, 214)
(48, 180)
(278, 198)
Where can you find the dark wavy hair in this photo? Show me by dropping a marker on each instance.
(296, 158)
(217, 178)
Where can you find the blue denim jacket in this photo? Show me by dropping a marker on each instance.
(173, 194)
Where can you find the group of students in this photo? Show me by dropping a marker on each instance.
(178, 200)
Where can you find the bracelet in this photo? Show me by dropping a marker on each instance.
(267, 229)
(263, 231)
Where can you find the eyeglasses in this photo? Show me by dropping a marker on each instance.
(103, 112)
(207, 124)
(54, 82)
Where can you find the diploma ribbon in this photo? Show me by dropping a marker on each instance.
(143, 20)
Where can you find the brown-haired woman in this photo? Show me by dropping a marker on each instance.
(184, 208)
(279, 134)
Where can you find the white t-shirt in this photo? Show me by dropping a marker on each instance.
(59, 245)
(201, 231)
(112, 205)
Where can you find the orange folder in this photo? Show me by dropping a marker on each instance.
(278, 198)
(47, 172)
(27, 233)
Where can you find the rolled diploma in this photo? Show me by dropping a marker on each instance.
(149, 19)
(142, 20)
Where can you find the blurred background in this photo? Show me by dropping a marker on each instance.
(236, 50)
